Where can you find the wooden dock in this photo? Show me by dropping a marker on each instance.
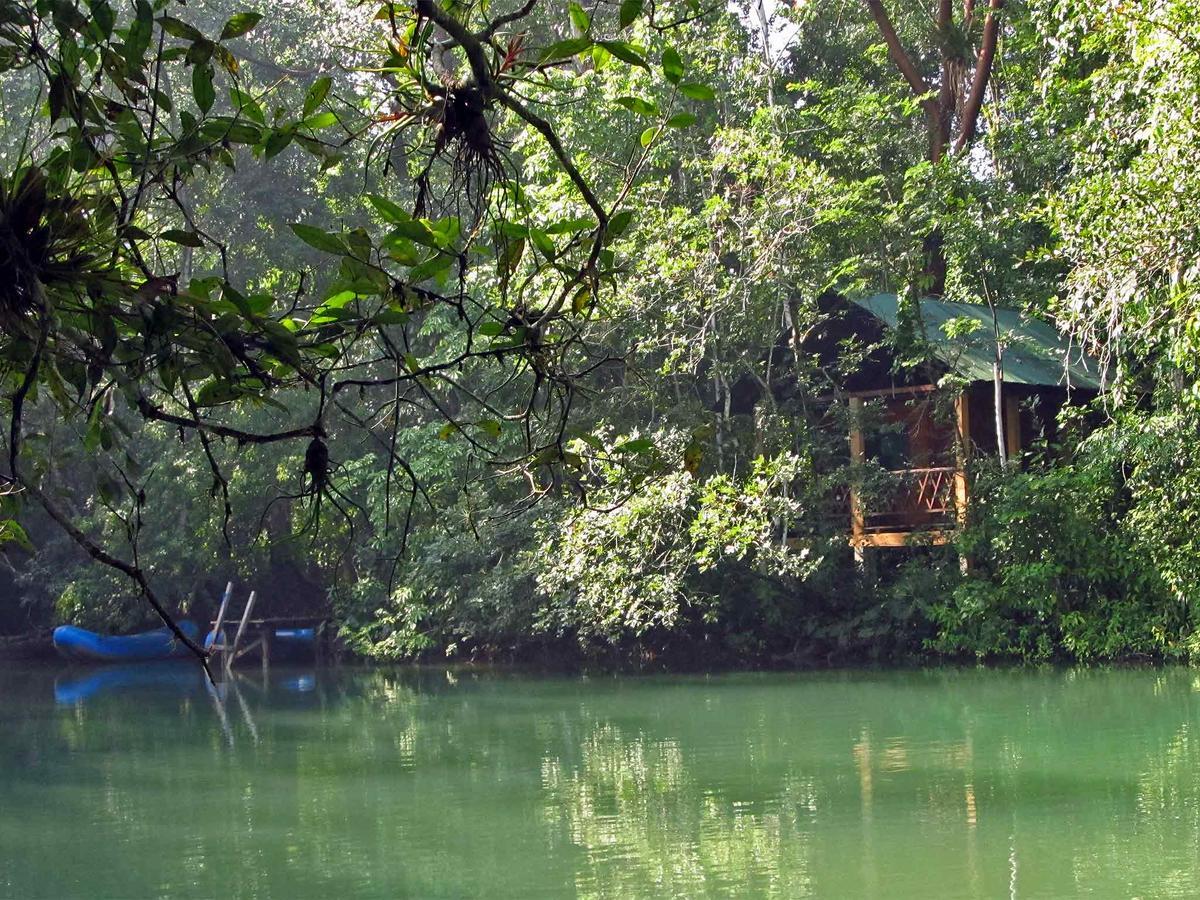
(261, 634)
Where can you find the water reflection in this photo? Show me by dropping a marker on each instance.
(423, 783)
(81, 685)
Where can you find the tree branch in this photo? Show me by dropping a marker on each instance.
(983, 71)
(507, 19)
(52, 509)
(98, 553)
(150, 411)
(473, 47)
(896, 49)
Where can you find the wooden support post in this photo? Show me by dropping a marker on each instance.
(241, 630)
(858, 455)
(216, 632)
(266, 649)
(962, 454)
(1012, 427)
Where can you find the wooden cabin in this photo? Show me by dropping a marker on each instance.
(921, 423)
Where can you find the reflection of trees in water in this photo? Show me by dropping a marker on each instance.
(641, 818)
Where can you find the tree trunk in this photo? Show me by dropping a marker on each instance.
(951, 103)
(998, 387)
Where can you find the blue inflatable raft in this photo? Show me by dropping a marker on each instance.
(79, 643)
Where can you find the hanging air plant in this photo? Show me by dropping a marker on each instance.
(42, 244)
(458, 113)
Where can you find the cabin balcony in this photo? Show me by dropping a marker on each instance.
(917, 506)
(923, 487)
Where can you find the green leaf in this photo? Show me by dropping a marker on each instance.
(672, 65)
(316, 95)
(648, 135)
(401, 249)
(91, 437)
(178, 236)
(637, 445)
(571, 226)
(179, 29)
(103, 16)
(392, 317)
(697, 91)
(11, 530)
(681, 120)
(202, 87)
(619, 223)
(511, 256)
(247, 105)
(638, 105)
(490, 329)
(320, 240)
(239, 24)
(162, 99)
(200, 52)
(432, 267)
(319, 121)
(338, 300)
(217, 391)
(446, 231)
(630, 10)
(243, 133)
(579, 17)
(277, 141)
(137, 39)
(417, 231)
(623, 50)
(227, 60)
(390, 211)
(566, 49)
(582, 300)
(542, 241)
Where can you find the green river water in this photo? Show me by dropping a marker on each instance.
(426, 783)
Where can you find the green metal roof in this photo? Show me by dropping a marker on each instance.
(1034, 353)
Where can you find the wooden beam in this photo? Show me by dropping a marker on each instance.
(288, 621)
(896, 391)
(902, 539)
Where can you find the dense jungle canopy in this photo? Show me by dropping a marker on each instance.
(482, 326)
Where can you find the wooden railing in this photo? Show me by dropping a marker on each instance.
(922, 497)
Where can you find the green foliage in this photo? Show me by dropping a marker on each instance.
(1127, 217)
(1056, 573)
(1159, 461)
(655, 562)
(497, 346)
